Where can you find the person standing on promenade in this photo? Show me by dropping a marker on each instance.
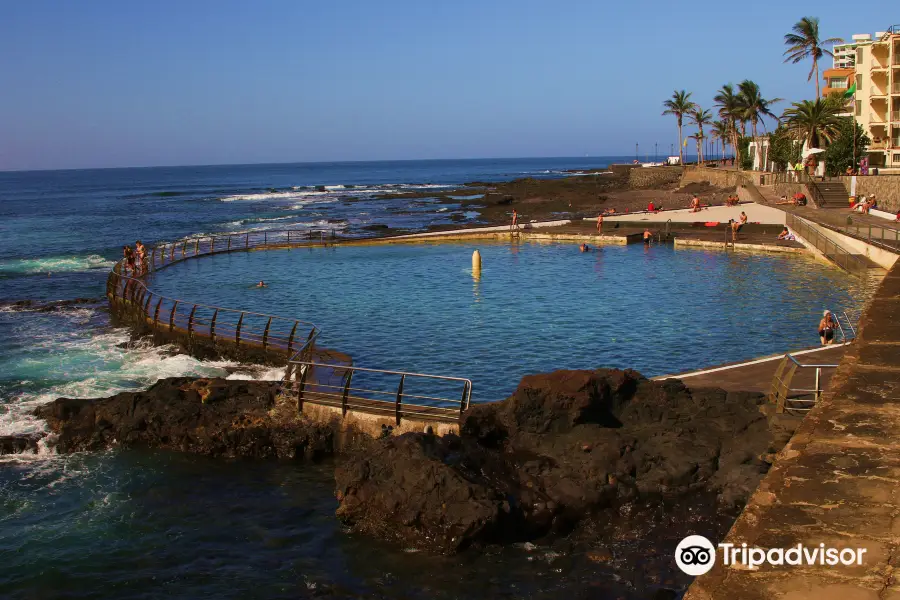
(600, 223)
(141, 252)
(128, 255)
(514, 225)
(826, 328)
(695, 204)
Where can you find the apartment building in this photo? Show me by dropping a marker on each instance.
(876, 64)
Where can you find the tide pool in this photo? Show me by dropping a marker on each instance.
(534, 308)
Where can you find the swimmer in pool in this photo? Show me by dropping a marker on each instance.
(585, 248)
(261, 284)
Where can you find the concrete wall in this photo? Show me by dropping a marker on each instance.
(651, 177)
(885, 187)
(836, 483)
(880, 257)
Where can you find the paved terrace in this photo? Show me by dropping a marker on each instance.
(837, 482)
(756, 375)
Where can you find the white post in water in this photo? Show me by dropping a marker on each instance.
(476, 263)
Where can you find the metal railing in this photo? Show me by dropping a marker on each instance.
(218, 324)
(895, 115)
(790, 398)
(165, 254)
(312, 381)
(883, 236)
(393, 394)
(239, 327)
(835, 253)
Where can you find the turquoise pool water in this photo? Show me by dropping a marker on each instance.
(535, 308)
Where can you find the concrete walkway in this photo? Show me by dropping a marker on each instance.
(756, 213)
(756, 375)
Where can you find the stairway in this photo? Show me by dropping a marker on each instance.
(832, 193)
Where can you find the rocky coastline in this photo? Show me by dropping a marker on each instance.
(569, 453)
(577, 195)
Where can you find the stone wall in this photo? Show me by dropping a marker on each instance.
(652, 177)
(717, 177)
(623, 170)
(885, 187)
(836, 482)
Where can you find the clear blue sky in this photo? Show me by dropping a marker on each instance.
(107, 83)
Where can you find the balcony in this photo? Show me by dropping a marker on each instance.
(876, 118)
(895, 116)
(896, 88)
(877, 92)
(879, 145)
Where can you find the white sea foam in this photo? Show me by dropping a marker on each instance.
(92, 366)
(310, 194)
(56, 264)
(258, 373)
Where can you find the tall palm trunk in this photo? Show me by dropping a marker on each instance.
(758, 147)
(700, 141)
(816, 75)
(680, 143)
(736, 144)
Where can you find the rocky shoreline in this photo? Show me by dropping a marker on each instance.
(569, 452)
(578, 195)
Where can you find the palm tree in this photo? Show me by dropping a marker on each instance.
(722, 131)
(731, 112)
(700, 118)
(813, 121)
(804, 43)
(679, 105)
(698, 138)
(754, 109)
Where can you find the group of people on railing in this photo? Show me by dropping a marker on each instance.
(134, 260)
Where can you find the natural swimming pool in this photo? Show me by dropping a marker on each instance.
(535, 307)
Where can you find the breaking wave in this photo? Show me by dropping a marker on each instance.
(56, 264)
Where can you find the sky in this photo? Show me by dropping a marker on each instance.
(106, 83)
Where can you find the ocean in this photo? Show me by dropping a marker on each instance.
(144, 524)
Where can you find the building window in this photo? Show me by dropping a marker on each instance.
(859, 55)
(858, 80)
(897, 159)
(858, 109)
(838, 83)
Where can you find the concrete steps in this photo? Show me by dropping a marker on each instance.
(833, 193)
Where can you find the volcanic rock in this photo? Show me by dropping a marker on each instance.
(566, 446)
(18, 444)
(217, 417)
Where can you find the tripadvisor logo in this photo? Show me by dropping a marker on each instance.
(696, 555)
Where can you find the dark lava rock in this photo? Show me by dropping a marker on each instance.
(18, 444)
(208, 416)
(566, 446)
